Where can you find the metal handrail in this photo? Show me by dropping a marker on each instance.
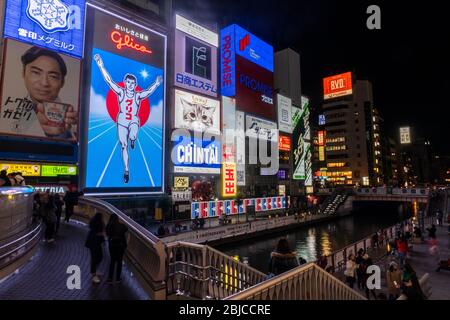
(206, 272)
(34, 234)
(145, 252)
(306, 282)
(21, 238)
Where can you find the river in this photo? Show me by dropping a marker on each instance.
(323, 238)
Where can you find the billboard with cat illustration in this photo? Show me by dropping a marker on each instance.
(196, 113)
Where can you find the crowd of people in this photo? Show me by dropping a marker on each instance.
(11, 179)
(48, 207)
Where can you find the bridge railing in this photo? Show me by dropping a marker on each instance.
(19, 235)
(145, 254)
(205, 273)
(419, 192)
(307, 282)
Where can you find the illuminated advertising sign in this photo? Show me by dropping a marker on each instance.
(196, 113)
(284, 143)
(181, 183)
(261, 128)
(229, 183)
(54, 24)
(405, 135)
(322, 120)
(27, 170)
(321, 138)
(192, 155)
(54, 171)
(337, 86)
(42, 100)
(250, 47)
(195, 57)
(254, 89)
(321, 153)
(282, 174)
(301, 136)
(247, 71)
(284, 113)
(240, 145)
(60, 189)
(125, 77)
(282, 190)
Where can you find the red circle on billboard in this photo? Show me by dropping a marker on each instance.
(112, 104)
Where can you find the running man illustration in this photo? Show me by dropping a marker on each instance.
(129, 99)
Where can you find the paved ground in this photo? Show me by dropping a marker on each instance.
(45, 277)
(422, 262)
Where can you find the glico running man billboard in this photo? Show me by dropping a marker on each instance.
(247, 71)
(125, 67)
(53, 24)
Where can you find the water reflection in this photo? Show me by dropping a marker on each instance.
(311, 241)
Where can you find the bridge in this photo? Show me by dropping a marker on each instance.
(155, 269)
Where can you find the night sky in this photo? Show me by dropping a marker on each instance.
(407, 61)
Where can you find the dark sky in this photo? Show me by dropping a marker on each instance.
(408, 60)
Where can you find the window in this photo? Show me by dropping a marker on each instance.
(359, 155)
(337, 123)
(358, 146)
(356, 113)
(357, 130)
(337, 148)
(356, 121)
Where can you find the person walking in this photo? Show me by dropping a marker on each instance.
(432, 232)
(393, 280)
(117, 243)
(350, 271)
(366, 263)
(359, 268)
(94, 241)
(48, 214)
(282, 259)
(58, 211)
(410, 284)
(4, 179)
(20, 180)
(402, 250)
(71, 200)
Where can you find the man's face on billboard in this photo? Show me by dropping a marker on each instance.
(130, 84)
(43, 79)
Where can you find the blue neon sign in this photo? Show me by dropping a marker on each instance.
(235, 40)
(227, 62)
(193, 155)
(54, 24)
(253, 49)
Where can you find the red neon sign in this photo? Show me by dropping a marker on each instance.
(127, 41)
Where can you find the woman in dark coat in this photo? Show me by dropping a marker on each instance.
(282, 259)
(116, 231)
(94, 242)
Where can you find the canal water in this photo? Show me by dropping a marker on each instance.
(323, 238)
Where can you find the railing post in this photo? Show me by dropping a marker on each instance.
(204, 272)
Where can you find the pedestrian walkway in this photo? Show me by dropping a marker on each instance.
(422, 262)
(45, 277)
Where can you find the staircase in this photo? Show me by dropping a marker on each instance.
(332, 203)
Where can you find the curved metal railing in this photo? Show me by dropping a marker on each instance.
(307, 282)
(145, 253)
(203, 272)
(18, 234)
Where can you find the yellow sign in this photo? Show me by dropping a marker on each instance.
(321, 154)
(27, 170)
(229, 181)
(181, 183)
